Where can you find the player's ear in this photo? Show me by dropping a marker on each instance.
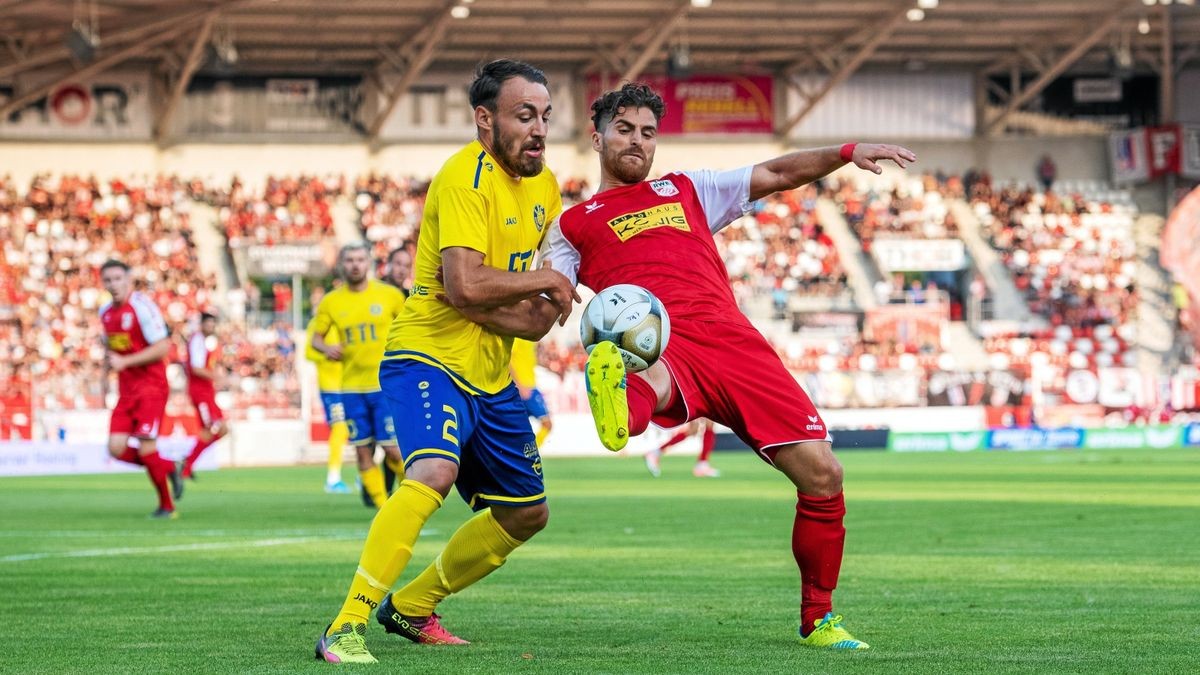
(597, 141)
(483, 118)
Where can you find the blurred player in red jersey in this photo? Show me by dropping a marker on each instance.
(202, 374)
(658, 234)
(135, 337)
(708, 440)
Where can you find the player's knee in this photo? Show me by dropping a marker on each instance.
(116, 445)
(524, 522)
(546, 423)
(827, 477)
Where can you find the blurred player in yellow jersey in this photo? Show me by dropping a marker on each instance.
(361, 312)
(329, 384)
(524, 364)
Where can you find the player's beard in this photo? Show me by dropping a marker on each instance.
(511, 153)
(626, 174)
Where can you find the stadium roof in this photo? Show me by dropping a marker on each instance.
(356, 36)
(392, 42)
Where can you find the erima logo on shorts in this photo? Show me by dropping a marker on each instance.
(628, 225)
(814, 423)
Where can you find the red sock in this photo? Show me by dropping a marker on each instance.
(679, 436)
(817, 541)
(707, 443)
(642, 401)
(197, 450)
(130, 456)
(159, 469)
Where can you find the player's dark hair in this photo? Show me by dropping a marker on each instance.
(490, 76)
(205, 316)
(111, 263)
(630, 95)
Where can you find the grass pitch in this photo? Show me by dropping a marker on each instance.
(1046, 562)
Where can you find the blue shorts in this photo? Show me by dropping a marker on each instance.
(535, 405)
(332, 402)
(487, 435)
(368, 418)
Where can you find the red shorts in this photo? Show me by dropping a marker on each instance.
(139, 414)
(207, 410)
(730, 374)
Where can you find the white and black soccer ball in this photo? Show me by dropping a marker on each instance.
(630, 317)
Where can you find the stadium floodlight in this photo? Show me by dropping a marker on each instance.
(460, 11)
(915, 14)
(701, 3)
(927, 4)
(82, 43)
(1143, 25)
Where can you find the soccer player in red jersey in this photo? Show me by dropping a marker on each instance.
(658, 234)
(135, 337)
(201, 370)
(708, 440)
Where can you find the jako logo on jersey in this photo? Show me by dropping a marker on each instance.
(539, 216)
(664, 188)
(376, 310)
(634, 223)
(126, 321)
(511, 220)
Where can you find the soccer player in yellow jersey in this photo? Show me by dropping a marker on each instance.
(524, 364)
(329, 384)
(445, 373)
(361, 312)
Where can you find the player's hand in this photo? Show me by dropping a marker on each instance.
(333, 352)
(866, 156)
(561, 292)
(440, 276)
(117, 363)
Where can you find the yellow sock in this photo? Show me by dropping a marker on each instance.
(372, 480)
(338, 435)
(396, 466)
(542, 432)
(387, 550)
(477, 549)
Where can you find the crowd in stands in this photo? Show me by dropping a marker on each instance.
(1073, 259)
(55, 233)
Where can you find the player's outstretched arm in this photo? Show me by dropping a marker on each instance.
(471, 284)
(794, 169)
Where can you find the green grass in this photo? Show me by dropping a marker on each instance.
(1054, 562)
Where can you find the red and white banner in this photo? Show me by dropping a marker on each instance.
(708, 104)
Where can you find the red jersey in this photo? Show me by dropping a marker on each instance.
(657, 234)
(201, 353)
(129, 328)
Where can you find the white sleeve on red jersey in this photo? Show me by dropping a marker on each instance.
(563, 256)
(154, 328)
(724, 195)
(197, 351)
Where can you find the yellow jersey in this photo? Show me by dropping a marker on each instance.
(361, 320)
(524, 358)
(329, 373)
(471, 203)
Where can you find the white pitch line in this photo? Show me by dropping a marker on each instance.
(141, 550)
(176, 548)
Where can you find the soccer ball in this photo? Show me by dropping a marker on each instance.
(631, 318)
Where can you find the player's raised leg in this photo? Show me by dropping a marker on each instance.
(622, 406)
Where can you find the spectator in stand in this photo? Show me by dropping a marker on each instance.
(1046, 172)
